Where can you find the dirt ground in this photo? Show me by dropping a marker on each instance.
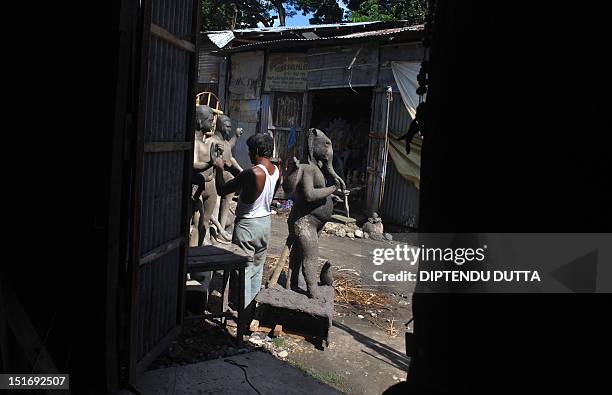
(366, 353)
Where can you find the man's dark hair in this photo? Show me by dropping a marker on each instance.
(262, 144)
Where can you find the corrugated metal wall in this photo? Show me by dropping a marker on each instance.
(400, 205)
(328, 66)
(158, 300)
(400, 201)
(412, 52)
(208, 65)
(162, 185)
(162, 193)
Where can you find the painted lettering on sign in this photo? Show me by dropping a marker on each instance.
(287, 72)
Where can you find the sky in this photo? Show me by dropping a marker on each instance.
(297, 20)
(301, 20)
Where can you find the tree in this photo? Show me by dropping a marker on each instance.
(235, 14)
(413, 11)
(328, 12)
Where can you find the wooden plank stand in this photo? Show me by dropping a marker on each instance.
(224, 258)
(297, 313)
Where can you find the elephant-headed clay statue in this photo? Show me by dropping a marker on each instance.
(312, 185)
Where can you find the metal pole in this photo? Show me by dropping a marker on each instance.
(385, 147)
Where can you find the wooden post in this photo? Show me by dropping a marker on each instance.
(280, 263)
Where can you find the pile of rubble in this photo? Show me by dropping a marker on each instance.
(275, 342)
(372, 229)
(198, 342)
(351, 230)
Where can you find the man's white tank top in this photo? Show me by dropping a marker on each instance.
(261, 206)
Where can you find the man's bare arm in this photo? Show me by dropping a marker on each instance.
(233, 185)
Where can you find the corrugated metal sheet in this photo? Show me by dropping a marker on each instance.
(168, 101)
(167, 92)
(277, 29)
(162, 199)
(400, 203)
(175, 16)
(158, 298)
(329, 67)
(382, 32)
(208, 67)
(314, 41)
(410, 52)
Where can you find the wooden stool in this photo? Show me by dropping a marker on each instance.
(226, 258)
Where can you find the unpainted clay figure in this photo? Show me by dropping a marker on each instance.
(224, 140)
(312, 184)
(204, 194)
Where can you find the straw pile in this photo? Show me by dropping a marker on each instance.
(350, 291)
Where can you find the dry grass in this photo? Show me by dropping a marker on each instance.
(350, 291)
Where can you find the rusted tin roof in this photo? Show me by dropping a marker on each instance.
(306, 41)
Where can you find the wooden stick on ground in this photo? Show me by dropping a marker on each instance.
(280, 263)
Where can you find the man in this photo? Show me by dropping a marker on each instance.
(257, 186)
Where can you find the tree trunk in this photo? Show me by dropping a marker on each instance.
(281, 12)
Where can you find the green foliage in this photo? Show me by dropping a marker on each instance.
(370, 10)
(278, 341)
(324, 11)
(414, 11)
(219, 14)
(216, 15)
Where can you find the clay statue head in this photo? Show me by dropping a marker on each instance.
(319, 146)
(204, 119)
(321, 153)
(238, 132)
(224, 126)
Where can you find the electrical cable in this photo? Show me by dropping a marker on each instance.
(231, 362)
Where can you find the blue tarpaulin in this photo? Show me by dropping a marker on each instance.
(292, 140)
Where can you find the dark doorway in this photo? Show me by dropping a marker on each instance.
(344, 115)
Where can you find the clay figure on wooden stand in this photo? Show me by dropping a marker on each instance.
(204, 194)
